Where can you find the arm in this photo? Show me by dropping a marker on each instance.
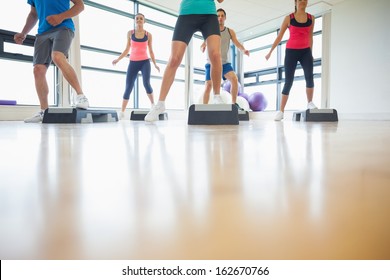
(126, 51)
(283, 28)
(311, 33)
(237, 43)
(203, 47)
(32, 19)
(76, 9)
(151, 53)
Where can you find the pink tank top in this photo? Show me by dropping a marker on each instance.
(299, 33)
(138, 47)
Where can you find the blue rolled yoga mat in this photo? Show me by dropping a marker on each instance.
(7, 102)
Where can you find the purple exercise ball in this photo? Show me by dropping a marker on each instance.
(257, 101)
(243, 94)
(227, 86)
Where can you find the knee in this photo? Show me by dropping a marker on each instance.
(215, 57)
(310, 83)
(58, 58)
(39, 71)
(174, 61)
(233, 80)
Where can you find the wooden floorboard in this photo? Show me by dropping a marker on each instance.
(132, 190)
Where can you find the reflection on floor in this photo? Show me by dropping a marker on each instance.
(131, 190)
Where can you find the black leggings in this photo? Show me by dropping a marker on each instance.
(305, 58)
(132, 73)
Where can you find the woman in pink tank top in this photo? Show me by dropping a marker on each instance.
(138, 42)
(298, 49)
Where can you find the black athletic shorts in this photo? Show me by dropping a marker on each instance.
(187, 25)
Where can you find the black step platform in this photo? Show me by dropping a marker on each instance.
(243, 115)
(316, 115)
(76, 115)
(138, 115)
(213, 114)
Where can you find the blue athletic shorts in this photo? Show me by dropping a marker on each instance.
(226, 68)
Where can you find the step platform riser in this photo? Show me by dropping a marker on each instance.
(316, 115)
(213, 114)
(75, 115)
(140, 116)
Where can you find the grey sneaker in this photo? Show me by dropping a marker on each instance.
(153, 114)
(218, 99)
(279, 116)
(82, 101)
(37, 118)
(311, 105)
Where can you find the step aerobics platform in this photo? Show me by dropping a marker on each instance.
(76, 115)
(316, 115)
(213, 114)
(139, 115)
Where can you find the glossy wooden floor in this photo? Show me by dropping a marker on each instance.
(131, 190)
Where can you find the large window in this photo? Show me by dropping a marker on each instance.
(267, 77)
(103, 32)
(105, 83)
(17, 81)
(103, 29)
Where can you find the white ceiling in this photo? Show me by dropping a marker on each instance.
(245, 15)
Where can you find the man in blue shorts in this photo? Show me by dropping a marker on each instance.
(194, 15)
(52, 43)
(227, 35)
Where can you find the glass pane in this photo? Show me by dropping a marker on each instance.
(297, 99)
(161, 41)
(198, 90)
(317, 46)
(261, 41)
(318, 24)
(102, 60)
(269, 92)
(200, 59)
(95, 32)
(104, 89)
(157, 16)
(127, 6)
(8, 20)
(144, 102)
(25, 93)
(18, 49)
(257, 61)
(176, 96)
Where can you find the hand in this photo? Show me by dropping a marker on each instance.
(54, 20)
(158, 68)
(246, 52)
(268, 56)
(19, 38)
(203, 47)
(115, 61)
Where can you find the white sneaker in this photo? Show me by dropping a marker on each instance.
(37, 118)
(155, 112)
(121, 115)
(279, 116)
(82, 101)
(311, 105)
(218, 99)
